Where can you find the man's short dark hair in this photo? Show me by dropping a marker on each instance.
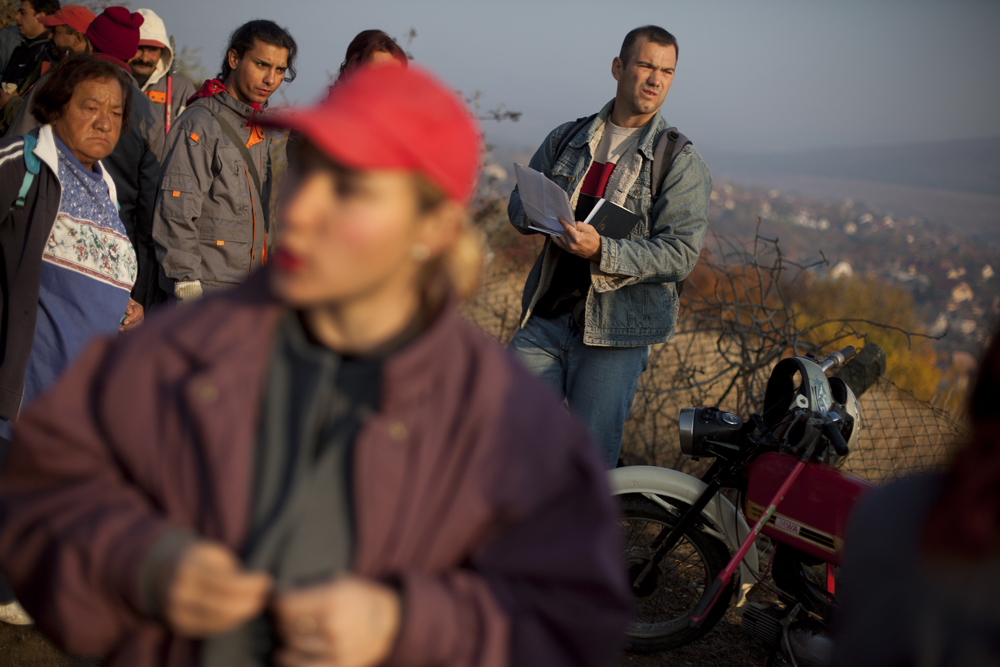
(56, 93)
(653, 33)
(268, 32)
(47, 7)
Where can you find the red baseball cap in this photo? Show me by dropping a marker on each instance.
(394, 118)
(76, 17)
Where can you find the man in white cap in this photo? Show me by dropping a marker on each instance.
(152, 65)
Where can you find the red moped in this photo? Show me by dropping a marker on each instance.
(689, 549)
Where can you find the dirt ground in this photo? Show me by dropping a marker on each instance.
(724, 645)
(26, 647)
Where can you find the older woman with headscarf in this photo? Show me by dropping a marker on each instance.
(68, 265)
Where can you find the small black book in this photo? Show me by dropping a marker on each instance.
(608, 219)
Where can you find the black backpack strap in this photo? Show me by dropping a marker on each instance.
(670, 143)
(230, 132)
(573, 130)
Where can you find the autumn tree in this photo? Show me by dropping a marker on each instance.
(865, 306)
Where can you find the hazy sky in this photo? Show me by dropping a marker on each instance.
(753, 75)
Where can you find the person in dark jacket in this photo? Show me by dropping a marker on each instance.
(211, 224)
(135, 163)
(10, 39)
(68, 28)
(24, 66)
(343, 471)
(921, 575)
(68, 265)
(65, 29)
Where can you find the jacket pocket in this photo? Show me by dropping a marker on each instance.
(563, 171)
(652, 304)
(231, 184)
(225, 254)
(176, 195)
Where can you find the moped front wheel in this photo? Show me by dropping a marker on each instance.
(665, 597)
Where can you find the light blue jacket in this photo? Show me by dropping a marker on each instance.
(633, 296)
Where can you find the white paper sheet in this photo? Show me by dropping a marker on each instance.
(544, 202)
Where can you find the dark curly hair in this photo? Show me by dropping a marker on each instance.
(56, 93)
(366, 43)
(268, 32)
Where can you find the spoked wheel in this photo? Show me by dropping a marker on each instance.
(666, 597)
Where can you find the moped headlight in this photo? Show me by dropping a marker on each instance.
(701, 427)
(685, 424)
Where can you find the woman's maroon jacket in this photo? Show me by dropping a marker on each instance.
(473, 488)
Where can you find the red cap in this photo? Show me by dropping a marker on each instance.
(394, 118)
(116, 32)
(76, 17)
(153, 42)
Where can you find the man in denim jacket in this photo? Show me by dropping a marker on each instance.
(593, 305)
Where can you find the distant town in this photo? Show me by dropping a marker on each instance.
(953, 278)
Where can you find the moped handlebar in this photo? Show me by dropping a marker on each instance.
(832, 432)
(838, 359)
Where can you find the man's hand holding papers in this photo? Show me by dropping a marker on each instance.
(544, 202)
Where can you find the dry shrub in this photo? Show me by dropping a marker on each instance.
(737, 320)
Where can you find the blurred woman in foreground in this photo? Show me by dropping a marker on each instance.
(343, 472)
(922, 571)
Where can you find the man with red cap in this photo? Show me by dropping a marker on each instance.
(342, 471)
(153, 68)
(134, 164)
(211, 224)
(68, 29)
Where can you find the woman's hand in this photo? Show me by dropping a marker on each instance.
(210, 593)
(133, 317)
(348, 622)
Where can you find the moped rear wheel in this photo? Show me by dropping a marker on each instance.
(665, 598)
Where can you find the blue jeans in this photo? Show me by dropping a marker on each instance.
(599, 383)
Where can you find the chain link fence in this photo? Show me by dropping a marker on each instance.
(735, 325)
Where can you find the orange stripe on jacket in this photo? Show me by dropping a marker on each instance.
(256, 136)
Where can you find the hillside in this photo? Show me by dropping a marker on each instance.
(967, 165)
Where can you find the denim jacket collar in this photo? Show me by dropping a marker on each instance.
(647, 143)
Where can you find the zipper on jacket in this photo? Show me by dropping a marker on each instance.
(253, 217)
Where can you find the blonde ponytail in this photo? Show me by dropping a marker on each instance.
(463, 262)
(459, 270)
